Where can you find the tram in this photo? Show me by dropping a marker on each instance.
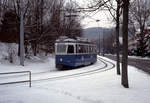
(74, 52)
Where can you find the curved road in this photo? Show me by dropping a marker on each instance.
(143, 64)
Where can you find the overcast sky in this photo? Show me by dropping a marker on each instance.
(90, 21)
(103, 16)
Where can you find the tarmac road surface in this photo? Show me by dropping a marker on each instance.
(143, 64)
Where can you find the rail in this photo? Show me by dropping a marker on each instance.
(17, 81)
(98, 70)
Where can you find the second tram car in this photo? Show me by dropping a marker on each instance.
(74, 52)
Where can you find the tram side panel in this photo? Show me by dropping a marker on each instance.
(85, 59)
(75, 60)
(65, 60)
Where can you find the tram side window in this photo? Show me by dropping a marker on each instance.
(79, 49)
(91, 49)
(70, 49)
(87, 49)
(95, 49)
(82, 48)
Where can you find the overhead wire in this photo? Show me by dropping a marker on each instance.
(87, 15)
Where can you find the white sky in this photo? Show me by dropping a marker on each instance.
(103, 16)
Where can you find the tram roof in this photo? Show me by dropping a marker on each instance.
(73, 41)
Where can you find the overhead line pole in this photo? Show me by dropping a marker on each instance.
(22, 34)
(99, 34)
(103, 41)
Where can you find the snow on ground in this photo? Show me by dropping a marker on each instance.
(138, 57)
(134, 57)
(103, 87)
(44, 72)
(38, 63)
(36, 66)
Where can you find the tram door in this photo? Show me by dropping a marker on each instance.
(70, 49)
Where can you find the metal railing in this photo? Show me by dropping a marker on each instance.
(7, 73)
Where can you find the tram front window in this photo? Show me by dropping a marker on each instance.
(61, 48)
(70, 49)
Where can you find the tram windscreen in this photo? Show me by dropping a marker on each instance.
(61, 48)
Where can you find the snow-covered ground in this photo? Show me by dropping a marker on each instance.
(103, 87)
(41, 70)
(138, 57)
(133, 57)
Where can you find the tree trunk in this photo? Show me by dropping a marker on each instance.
(125, 44)
(19, 49)
(142, 41)
(117, 37)
(35, 49)
(18, 26)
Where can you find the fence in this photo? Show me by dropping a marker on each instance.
(17, 81)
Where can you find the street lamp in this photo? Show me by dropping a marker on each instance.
(99, 34)
(103, 42)
(102, 39)
(22, 34)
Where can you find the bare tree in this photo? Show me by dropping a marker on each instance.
(139, 17)
(108, 5)
(111, 38)
(116, 17)
(0, 9)
(37, 20)
(117, 34)
(124, 79)
(73, 26)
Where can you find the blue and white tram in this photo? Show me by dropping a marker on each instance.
(74, 53)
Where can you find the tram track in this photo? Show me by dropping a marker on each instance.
(90, 72)
(102, 69)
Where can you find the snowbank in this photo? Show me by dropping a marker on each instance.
(8, 53)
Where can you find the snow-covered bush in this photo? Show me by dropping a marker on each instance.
(8, 53)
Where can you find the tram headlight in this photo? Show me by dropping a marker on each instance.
(61, 59)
